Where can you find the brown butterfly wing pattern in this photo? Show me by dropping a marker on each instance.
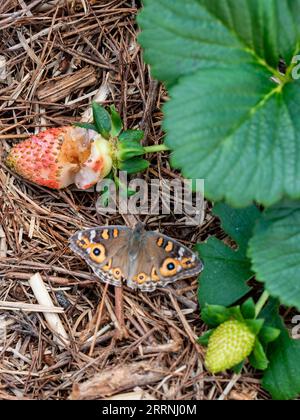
(146, 260)
(105, 249)
(163, 260)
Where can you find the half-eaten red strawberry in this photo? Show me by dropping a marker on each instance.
(59, 157)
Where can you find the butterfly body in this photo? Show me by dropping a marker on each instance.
(145, 260)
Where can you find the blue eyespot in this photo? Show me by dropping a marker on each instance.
(171, 266)
(96, 252)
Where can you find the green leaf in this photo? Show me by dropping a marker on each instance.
(133, 166)
(124, 191)
(204, 339)
(227, 121)
(268, 334)
(248, 309)
(238, 368)
(226, 270)
(238, 224)
(255, 325)
(214, 315)
(258, 357)
(102, 119)
(129, 149)
(282, 378)
(87, 126)
(275, 252)
(132, 135)
(183, 37)
(225, 274)
(180, 37)
(116, 122)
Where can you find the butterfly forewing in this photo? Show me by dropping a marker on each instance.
(105, 249)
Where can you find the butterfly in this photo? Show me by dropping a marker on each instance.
(144, 259)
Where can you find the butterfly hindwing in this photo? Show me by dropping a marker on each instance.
(163, 260)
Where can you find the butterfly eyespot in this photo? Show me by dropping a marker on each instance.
(117, 273)
(169, 267)
(97, 253)
(141, 278)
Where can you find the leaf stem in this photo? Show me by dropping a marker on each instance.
(261, 303)
(156, 148)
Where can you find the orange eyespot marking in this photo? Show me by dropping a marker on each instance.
(117, 273)
(116, 233)
(83, 243)
(141, 278)
(169, 246)
(160, 242)
(154, 275)
(107, 266)
(187, 263)
(169, 267)
(97, 253)
(105, 234)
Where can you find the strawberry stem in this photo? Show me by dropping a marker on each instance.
(156, 148)
(261, 303)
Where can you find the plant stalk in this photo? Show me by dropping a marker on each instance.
(156, 148)
(261, 303)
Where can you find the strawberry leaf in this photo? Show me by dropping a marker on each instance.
(214, 315)
(275, 252)
(226, 270)
(268, 334)
(129, 149)
(132, 135)
(102, 120)
(87, 126)
(116, 122)
(133, 166)
(233, 119)
(248, 309)
(282, 378)
(204, 339)
(258, 357)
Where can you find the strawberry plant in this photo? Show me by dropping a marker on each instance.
(233, 119)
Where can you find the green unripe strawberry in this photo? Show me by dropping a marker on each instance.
(228, 346)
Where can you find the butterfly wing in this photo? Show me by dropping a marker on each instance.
(105, 249)
(163, 260)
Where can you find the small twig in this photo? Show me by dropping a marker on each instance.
(53, 320)
(29, 307)
(229, 387)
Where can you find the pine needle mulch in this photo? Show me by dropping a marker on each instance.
(56, 56)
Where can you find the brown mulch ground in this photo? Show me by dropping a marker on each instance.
(59, 56)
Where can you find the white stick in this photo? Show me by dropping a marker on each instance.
(53, 320)
(29, 307)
